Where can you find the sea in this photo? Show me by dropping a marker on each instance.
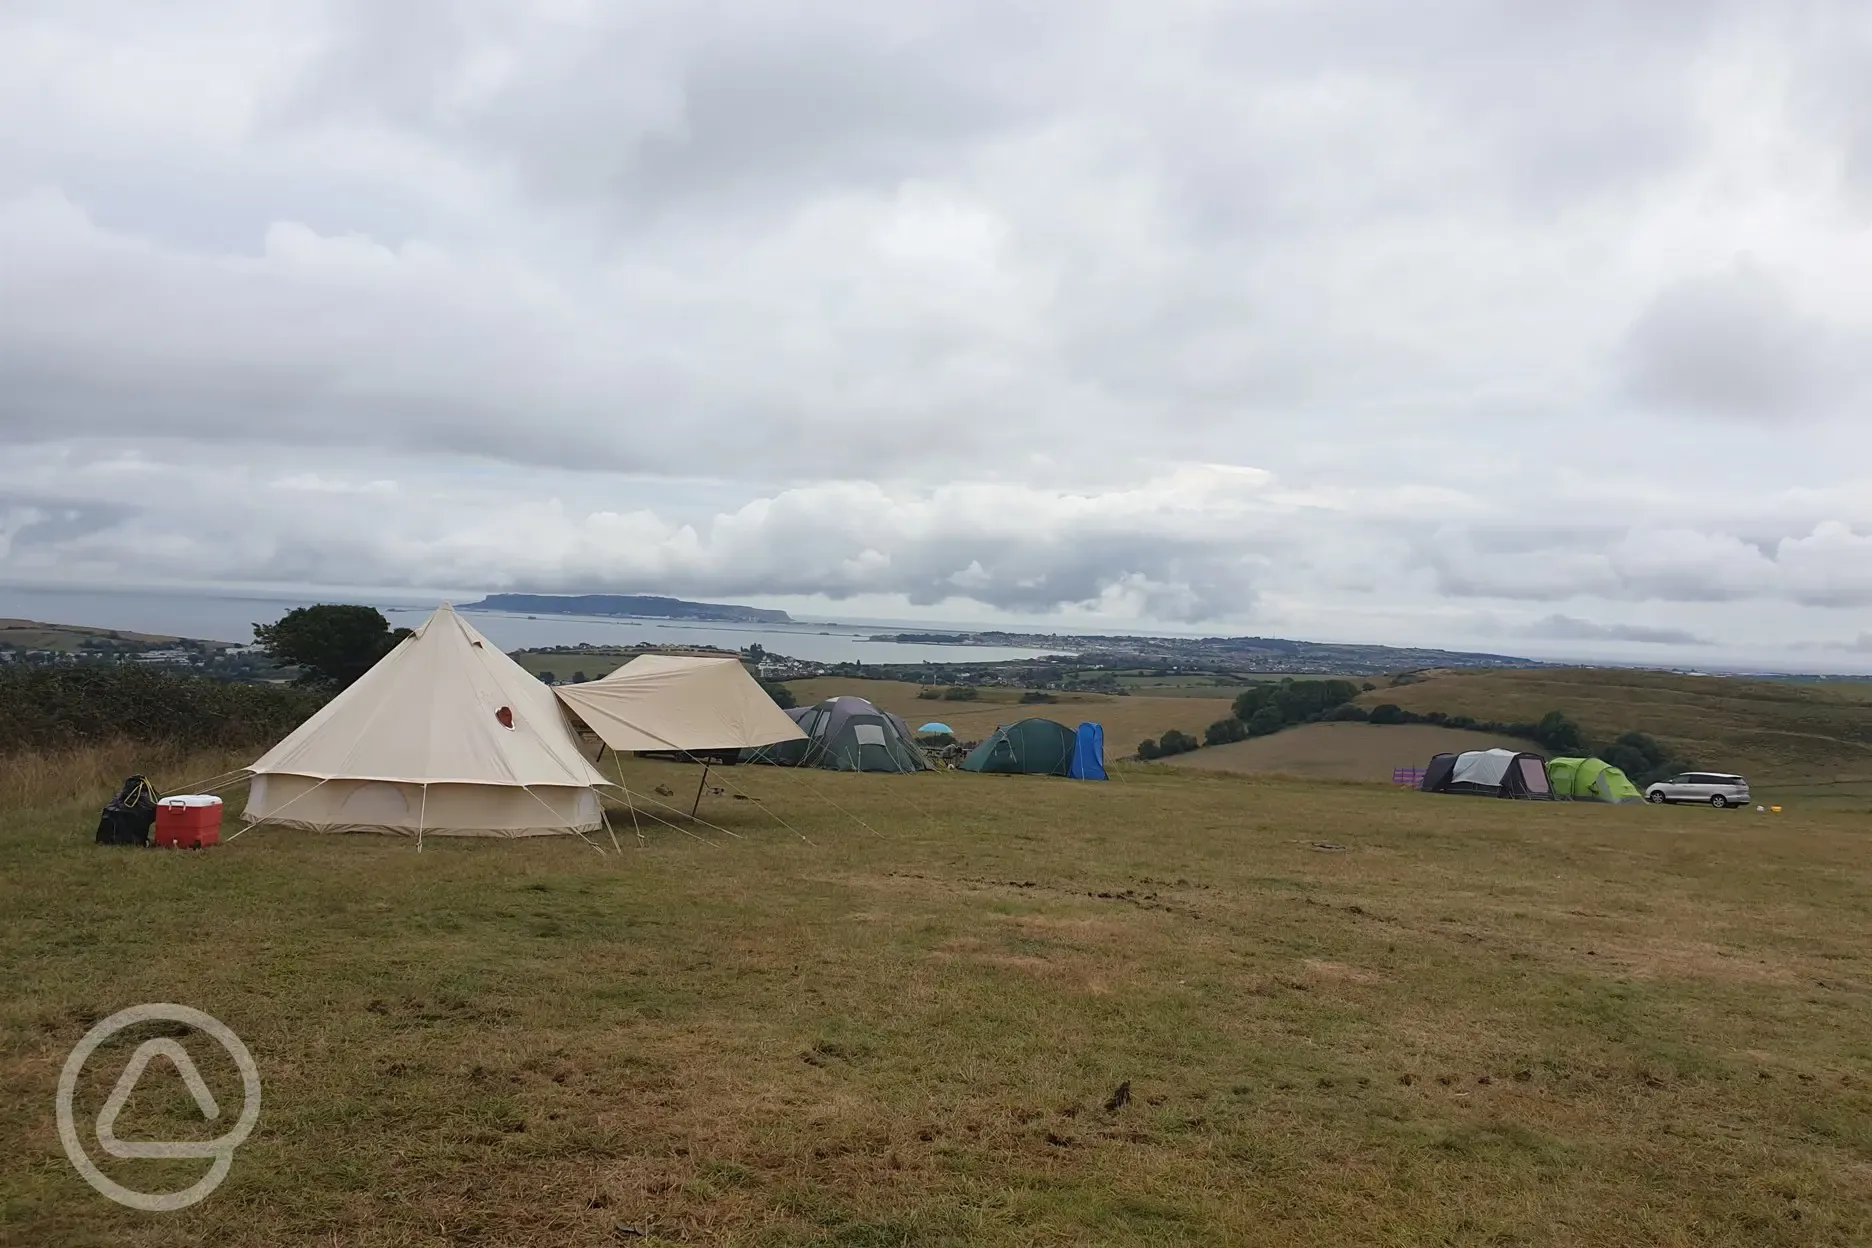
(231, 617)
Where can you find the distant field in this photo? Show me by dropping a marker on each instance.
(1463, 1022)
(1127, 720)
(1777, 731)
(32, 635)
(1342, 751)
(565, 666)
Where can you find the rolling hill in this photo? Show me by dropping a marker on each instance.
(1341, 751)
(1790, 732)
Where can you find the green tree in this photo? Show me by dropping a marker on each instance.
(1644, 759)
(782, 696)
(1557, 733)
(1266, 720)
(1176, 741)
(331, 645)
(1248, 701)
(1224, 731)
(548, 677)
(1388, 713)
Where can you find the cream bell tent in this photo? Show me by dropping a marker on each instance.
(445, 736)
(678, 702)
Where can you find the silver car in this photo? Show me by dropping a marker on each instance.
(1709, 788)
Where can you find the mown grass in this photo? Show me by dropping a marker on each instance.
(1346, 1014)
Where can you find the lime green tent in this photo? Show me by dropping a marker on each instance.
(1590, 780)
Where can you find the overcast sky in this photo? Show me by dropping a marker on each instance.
(1533, 327)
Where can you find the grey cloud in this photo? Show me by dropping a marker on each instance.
(1731, 344)
(940, 298)
(1572, 628)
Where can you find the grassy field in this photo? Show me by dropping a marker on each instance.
(1342, 751)
(1346, 1015)
(69, 638)
(594, 663)
(1127, 720)
(1791, 733)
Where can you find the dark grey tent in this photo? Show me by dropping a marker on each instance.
(847, 734)
(1489, 773)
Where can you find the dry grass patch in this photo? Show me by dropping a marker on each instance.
(911, 1037)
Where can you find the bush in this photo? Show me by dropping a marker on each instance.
(1176, 743)
(961, 693)
(782, 696)
(1347, 713)
(1388, 713)
(929, 693)
(1147, 748)
(1033, 696)
(1224, 731)
(61, 707)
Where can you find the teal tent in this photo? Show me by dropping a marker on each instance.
(1033, 747)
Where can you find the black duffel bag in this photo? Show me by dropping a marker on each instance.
(130, 815)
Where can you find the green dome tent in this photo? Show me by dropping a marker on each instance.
(1590, 780)
(1033, 747)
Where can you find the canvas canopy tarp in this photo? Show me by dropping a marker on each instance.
(680, 702)
(1591, 780)
(847, 734)
(445, 736)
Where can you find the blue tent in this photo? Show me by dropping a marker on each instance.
(926, 729)
(1088, 762)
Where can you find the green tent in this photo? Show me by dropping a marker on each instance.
(1033, 747)
(1590, 780)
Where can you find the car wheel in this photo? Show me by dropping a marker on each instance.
(1719, 801)
(1656, 799)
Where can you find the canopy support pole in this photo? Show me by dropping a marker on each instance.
(697, 805)
(422, 815)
